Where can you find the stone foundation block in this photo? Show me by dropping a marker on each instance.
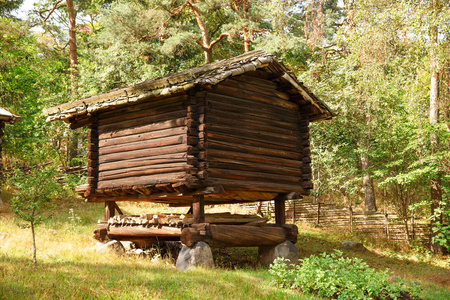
(287, 250)
(199, 255)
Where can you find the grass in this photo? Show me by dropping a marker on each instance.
(70, 268)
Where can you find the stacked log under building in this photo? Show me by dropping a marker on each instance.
(232, 131)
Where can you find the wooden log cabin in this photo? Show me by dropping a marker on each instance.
(227, 132)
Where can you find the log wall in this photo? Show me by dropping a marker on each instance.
(255, 138)
(148, 147)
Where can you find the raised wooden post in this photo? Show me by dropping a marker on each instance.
(110, 209)
(198, 209)
(280, 211)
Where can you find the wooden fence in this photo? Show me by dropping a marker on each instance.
(381, 225)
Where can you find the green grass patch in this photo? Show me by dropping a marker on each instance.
(70, 268)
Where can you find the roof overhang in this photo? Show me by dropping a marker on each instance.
(209, 74)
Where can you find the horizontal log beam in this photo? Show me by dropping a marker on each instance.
(222, 236)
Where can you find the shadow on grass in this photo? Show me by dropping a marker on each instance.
(129, 279)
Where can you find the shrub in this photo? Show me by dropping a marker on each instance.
(334, 276)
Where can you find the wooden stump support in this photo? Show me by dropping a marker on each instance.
(198, 209)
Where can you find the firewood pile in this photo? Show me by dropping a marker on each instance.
(183, 220)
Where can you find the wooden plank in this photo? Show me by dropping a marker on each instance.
(219, 236)
(142, 121)
(222, 105)
(130, 108)
(176, 149)
(269, 137)
(256, 185)
(254, 107)
(147, 144)
(198, 209)
(143, 180)
(144, 136)
(233, 164)
(273, 93)
(211, 154)
(257, 80)
(166, 108)
(220, 145)
(248, 118)
(158, 126)
(271, 102)
(253, 176)
(215, 117)
(149, 161)
(144, 170)
(131, 233)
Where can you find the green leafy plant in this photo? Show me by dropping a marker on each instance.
(334, 276)
(33, 202)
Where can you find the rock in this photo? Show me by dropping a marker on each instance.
(287, 250)
(128, 245)
(199, 255)
(111, 246)
(353, 246)
(415, 283)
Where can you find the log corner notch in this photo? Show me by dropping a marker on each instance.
(222, 236)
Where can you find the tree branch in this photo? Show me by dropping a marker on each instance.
(222, 35)
(51, 10)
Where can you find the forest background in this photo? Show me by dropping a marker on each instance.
(383, 67)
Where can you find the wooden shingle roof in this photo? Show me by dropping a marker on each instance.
(209, 74)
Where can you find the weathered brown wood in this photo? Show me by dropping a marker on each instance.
(255, 185)
(176, 149)
(163, 101)
(198, 209)
(280, 211)
(148, 144)
(257, 80)
(221, 236)
(142, 171)
(273, 93)
(110, 209)
(176, 131)
(220, 102)
(216, 118)
(248, 118)
(152, 161)
(139, 121)
(166, 108)
(253, 176)
(101, 233)
(132, 233)
(142, 180)
(211, 154)
(147, 128)
(265, 101)
(232, 164)
(248, 140)
(237, 147)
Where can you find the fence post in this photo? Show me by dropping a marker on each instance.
(386, 216)
(350, 218)
(318, 213)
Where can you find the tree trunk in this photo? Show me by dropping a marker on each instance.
(72, 46)
(34, 245)
(247, 41)
(369, 194)
(206, 40)
(435, 185)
